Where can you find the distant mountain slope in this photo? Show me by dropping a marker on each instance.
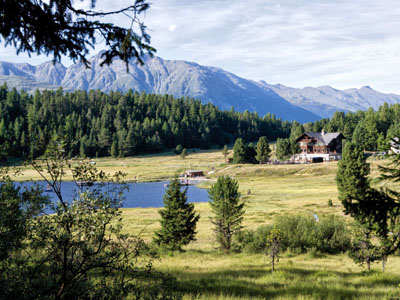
(178, 78)
(181, 79)
(325, 100)
(23, 83)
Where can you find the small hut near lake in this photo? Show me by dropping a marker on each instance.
(194, 173)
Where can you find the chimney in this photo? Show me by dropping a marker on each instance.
(323, 132)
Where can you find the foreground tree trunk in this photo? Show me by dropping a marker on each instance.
(273, 263)
(384, 259)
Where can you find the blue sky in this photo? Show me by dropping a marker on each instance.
(298, 43)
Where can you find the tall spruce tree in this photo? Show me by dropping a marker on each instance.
(263, 150)
(283, 148)
(227, 209)
(352, 175)
(378, 210)
(178, 219)
(239, 152)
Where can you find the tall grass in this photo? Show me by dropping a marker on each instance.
(204, 273)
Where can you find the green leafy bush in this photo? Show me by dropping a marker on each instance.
(300, 234)
(332, 235)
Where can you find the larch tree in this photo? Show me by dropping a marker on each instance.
(228, 210)
(178, 219)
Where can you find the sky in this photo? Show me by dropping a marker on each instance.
(298, 43)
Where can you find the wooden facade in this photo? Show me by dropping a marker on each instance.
(326, 145)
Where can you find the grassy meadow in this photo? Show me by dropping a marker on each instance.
(205, 273)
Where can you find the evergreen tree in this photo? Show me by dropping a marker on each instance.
(250, 153)
(62, 28)
(352, 174)
(382, 144)
(227, 209)
(239, 152)
(263, 150)
(225, 151)
(283, 148)
(360, 135)
(377, 210)
(178, 219)
(114, 149)
(362, 250)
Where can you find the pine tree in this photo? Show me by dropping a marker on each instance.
(239, 152)
(352, 174)
(283, 149)
(263, 150)
(360, 135)
(227, 209)
(178, 219)
(378, 210)
(114, 149)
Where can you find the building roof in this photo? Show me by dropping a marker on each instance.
(194, 171)
(325, 138)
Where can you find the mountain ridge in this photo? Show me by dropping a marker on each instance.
(325, 100)
(189, 79)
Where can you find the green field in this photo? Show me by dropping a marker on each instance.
(205, 273)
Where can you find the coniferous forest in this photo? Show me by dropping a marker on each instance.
(97, 124)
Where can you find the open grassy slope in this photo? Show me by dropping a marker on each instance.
(204, 273)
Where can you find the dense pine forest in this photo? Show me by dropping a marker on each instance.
(98, 124)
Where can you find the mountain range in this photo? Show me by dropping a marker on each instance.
(187, 79)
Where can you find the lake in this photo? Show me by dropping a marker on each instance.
(143, 194)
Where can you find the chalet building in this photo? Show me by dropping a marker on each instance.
(327, 145)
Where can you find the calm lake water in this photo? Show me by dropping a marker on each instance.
(144, 194)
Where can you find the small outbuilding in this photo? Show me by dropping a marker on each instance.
(194, 173)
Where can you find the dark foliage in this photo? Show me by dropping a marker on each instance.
(377, 209)
(134, 123)
(58, 28)
(178, 219)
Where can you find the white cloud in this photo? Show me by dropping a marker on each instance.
(294, 42)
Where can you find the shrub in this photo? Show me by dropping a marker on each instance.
(298, 232)
(332, 235)
(250, 241)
